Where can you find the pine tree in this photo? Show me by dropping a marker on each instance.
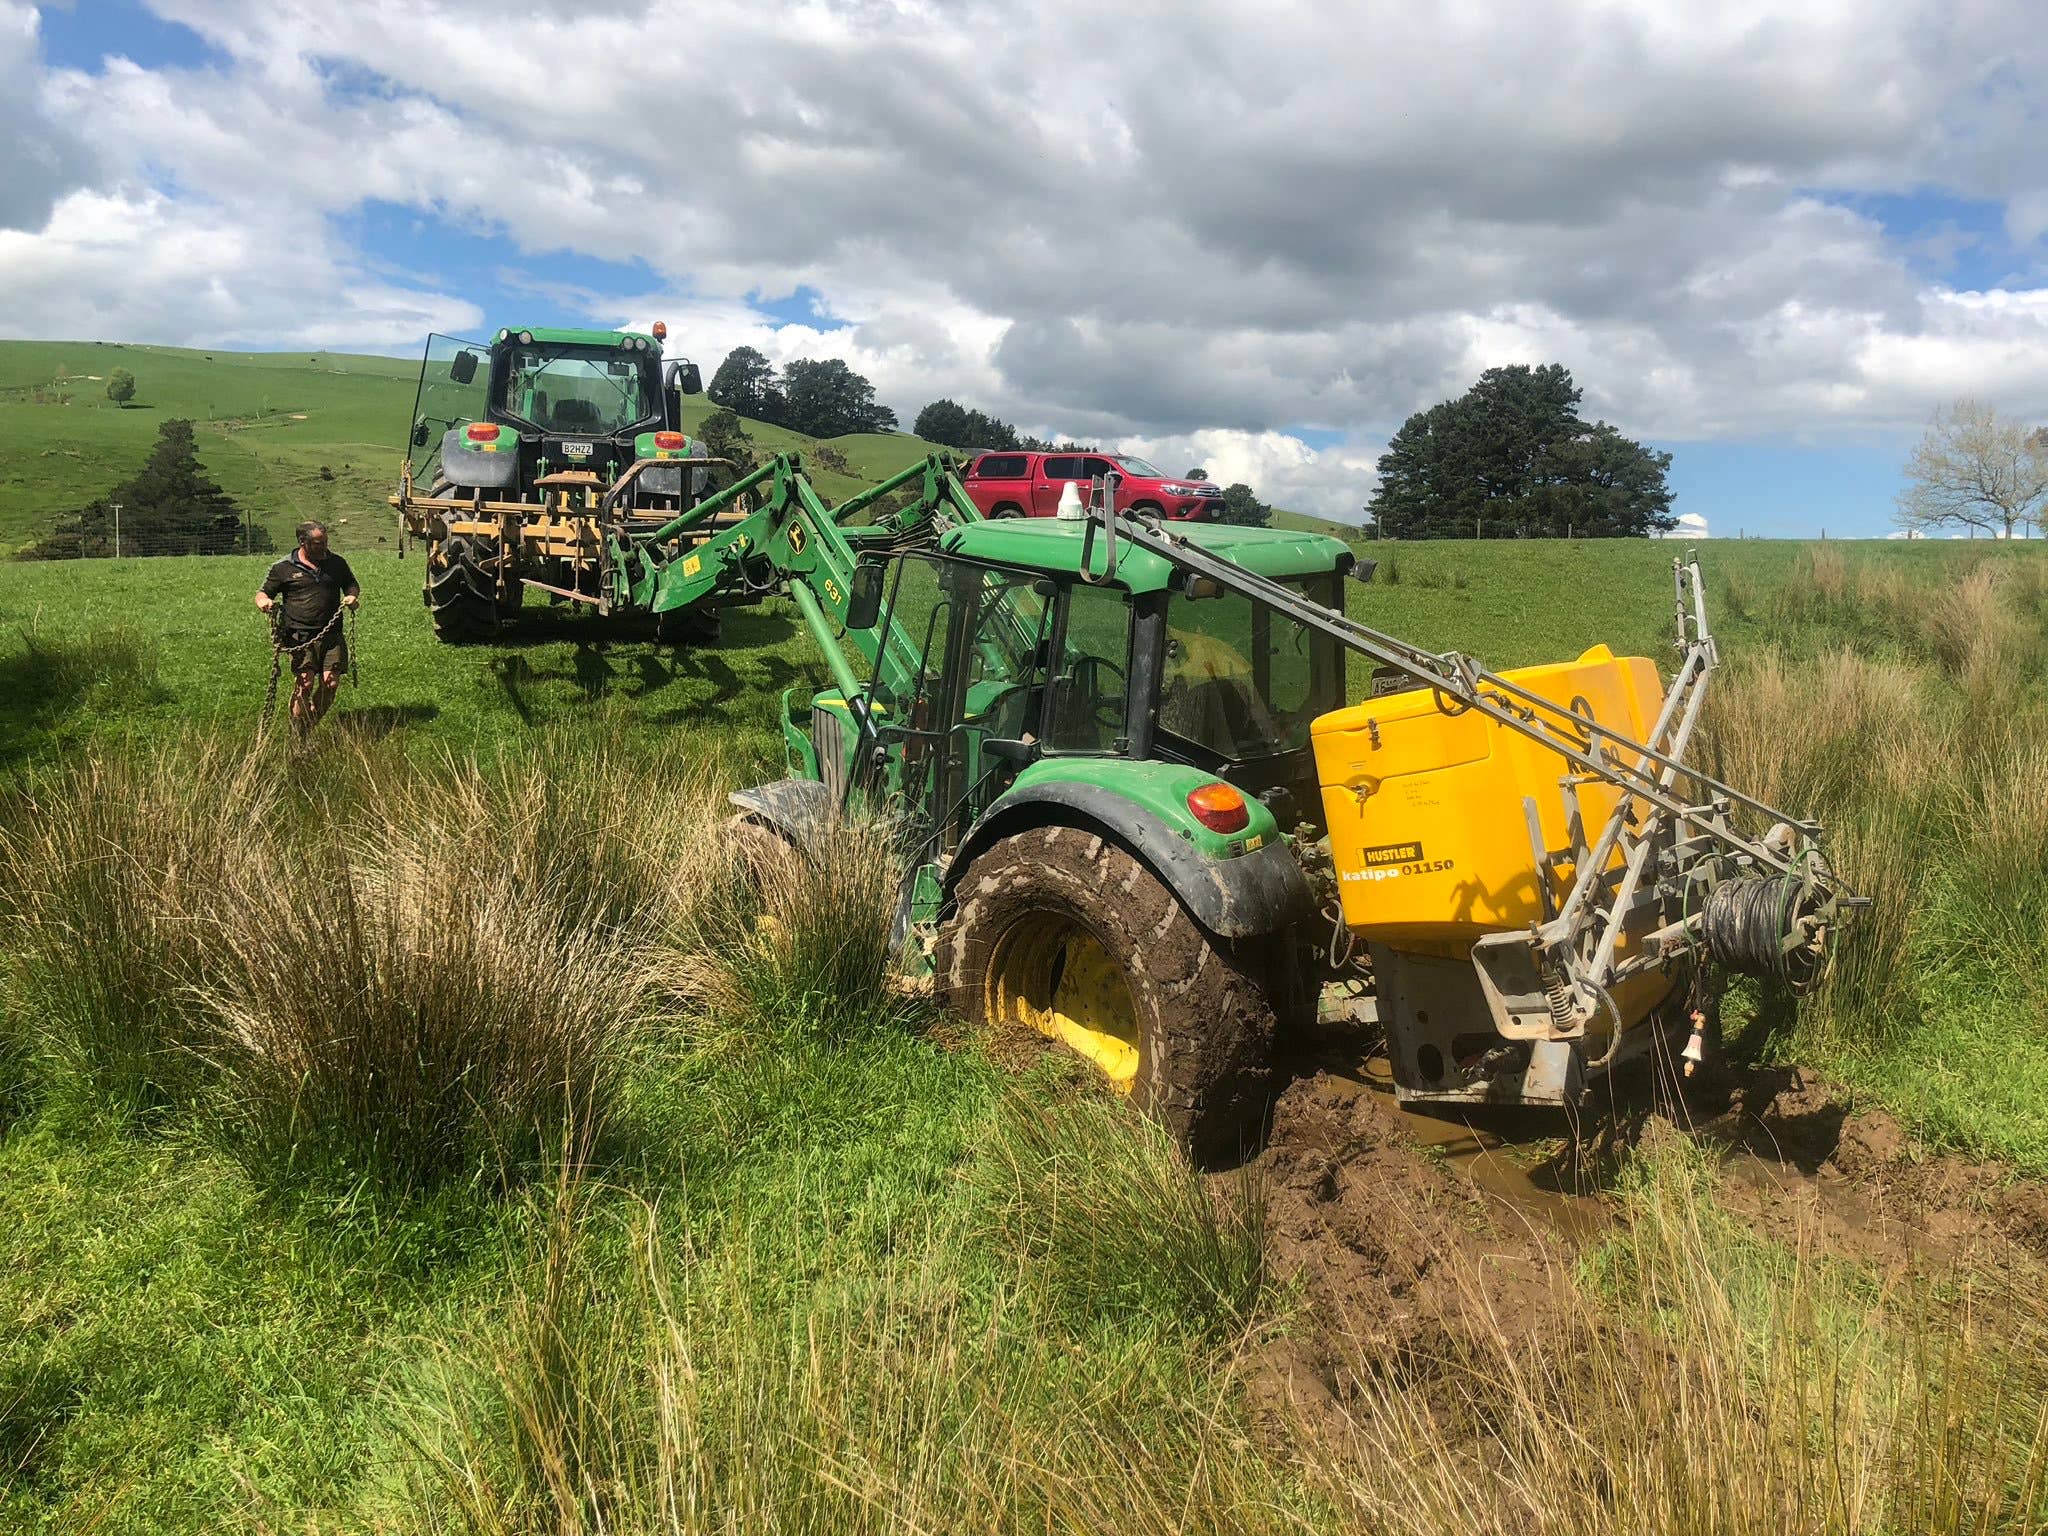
(170, 507)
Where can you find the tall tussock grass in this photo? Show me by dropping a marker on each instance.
(1922, 750)
(354, 968)
(412, 1014)
(1154, 1239)
(656, 1379)
(792, 940)
(115, 872)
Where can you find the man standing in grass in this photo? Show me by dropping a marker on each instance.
(314, 585)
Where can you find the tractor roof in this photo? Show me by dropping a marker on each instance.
(568, 337)
(1053, 545)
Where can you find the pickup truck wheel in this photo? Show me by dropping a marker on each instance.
(1148, 509)
(1007, 509)
(1065, 932)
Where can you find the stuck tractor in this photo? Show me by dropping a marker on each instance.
(1144, 811)
(533, 458)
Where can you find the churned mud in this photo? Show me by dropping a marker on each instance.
(1803, 1157)
(1406, 1235)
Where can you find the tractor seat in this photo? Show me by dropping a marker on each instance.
(576, 415)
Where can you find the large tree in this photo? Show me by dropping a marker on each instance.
(956, 426)
(170, 507)
(745, 382)
(822, 397)
(1975, 469)
(1512, 457)
(1241, 505)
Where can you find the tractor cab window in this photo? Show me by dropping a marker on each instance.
(912, 678)
(1006, 653)
(563, 389)
(1086, 711)
(1240, 679)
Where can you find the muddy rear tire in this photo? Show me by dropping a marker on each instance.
(1065, 932)
(462, 589)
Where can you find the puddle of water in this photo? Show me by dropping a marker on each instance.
(1519, 1157)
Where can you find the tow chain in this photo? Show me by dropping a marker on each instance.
(279, 646)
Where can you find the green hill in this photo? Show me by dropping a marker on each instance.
(290, 435)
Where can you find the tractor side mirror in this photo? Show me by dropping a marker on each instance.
(419, 433)
(689, 380)
(864, 602)
(463, 369)
(1362, 572)
(1004, 749)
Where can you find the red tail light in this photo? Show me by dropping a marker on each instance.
(1219, 808)
(669, 441)
(482, 432)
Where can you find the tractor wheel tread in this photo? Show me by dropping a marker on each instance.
(1207, 1012)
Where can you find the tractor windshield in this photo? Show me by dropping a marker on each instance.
(1241, 680)
(571, 389)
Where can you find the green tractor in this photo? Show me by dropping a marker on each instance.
(1141, 813)
(534, 455)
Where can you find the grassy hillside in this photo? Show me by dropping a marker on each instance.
(268, 424)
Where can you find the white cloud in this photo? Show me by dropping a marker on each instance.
(1200, 237)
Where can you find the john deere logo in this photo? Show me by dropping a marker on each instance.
(1393, 853)
(796, 538)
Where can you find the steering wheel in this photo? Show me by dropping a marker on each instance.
(1105, 707)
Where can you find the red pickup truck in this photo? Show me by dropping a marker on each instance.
(1028, 484)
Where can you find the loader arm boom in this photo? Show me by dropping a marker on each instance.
(796, 544)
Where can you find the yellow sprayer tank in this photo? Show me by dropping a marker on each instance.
(1427, 826)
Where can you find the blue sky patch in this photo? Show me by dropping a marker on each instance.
(1959, 241)
(1788, 490)
(82, 35)
(804, 306)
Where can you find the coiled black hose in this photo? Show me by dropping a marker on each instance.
(1745, 924)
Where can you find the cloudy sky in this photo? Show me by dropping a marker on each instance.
(1256, 236)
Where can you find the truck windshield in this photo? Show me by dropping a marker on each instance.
(1240, 679)
(578, 389)
(1131, 464)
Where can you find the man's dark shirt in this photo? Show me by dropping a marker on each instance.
(311, 593)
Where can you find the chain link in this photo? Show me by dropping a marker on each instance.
(279, 646)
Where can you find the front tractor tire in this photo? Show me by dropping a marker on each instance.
(1062, 931)
(462, 589)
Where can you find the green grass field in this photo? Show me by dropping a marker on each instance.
(268, 424)
(796, 1253)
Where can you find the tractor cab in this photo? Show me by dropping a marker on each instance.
(535, 403)
(1001, 652)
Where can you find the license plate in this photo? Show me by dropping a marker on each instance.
(576, 450)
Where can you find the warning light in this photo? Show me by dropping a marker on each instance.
(1219, 808)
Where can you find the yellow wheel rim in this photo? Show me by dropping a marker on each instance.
(1051, 974)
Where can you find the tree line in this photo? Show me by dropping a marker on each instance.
(819, 397)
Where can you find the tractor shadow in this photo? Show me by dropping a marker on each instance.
(626, 661)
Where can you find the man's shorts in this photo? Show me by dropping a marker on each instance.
(329, 655)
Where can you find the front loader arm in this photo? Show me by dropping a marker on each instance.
(796, 544)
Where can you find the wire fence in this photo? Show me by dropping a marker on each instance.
(120, 536)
